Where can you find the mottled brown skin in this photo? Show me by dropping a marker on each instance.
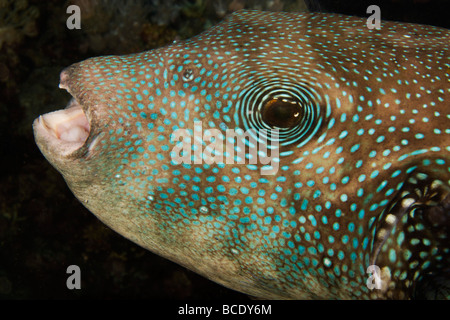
(253, 232)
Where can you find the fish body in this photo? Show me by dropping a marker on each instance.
(356, 202)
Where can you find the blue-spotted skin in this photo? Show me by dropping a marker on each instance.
(379, 100)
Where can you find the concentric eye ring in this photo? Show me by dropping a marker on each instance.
(302, 100)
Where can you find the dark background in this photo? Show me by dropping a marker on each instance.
(43, 228)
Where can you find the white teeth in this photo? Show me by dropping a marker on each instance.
(68, 125)
(74, 134)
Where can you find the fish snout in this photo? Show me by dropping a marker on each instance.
(62, 132)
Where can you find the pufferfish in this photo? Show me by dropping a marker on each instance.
(355, 200)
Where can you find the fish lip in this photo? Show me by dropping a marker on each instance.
(64, 132)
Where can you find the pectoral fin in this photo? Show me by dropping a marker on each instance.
(411, 239)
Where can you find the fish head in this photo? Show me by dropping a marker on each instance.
(331, 118)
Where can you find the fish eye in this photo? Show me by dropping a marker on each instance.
(292, 113)
(282, 112)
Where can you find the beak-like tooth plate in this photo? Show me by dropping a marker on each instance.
(68, 124)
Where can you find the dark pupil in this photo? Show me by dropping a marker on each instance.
(281, 113)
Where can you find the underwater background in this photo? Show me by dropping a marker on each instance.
(43, 227)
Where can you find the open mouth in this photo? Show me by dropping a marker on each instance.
(66, 130)
(69, 124)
